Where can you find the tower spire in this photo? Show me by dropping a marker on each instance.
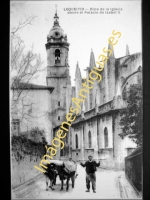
(127, 50)
(111, 48)
(56, 18)
(92, 59)
(56, 8)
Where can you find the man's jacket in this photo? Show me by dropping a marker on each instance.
(90, 166)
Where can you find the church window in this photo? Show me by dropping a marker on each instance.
(76, 139)
(58, 103)
(105, 137)
(57, 56)
(58, 117)
(90, 139)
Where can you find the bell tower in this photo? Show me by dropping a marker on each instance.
(58, 76)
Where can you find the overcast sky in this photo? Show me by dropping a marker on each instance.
(84, 31)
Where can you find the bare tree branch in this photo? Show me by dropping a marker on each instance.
(25, 65)
(21, 25)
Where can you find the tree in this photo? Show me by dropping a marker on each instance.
(132, 116)
(24, 68)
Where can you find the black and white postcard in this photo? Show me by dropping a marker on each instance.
(76, 103)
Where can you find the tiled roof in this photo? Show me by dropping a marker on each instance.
(26, 86)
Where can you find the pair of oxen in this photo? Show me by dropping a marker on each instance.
(64, 169)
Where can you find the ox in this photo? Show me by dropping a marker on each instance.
(63, 171)
(50, 174)
(65, 174)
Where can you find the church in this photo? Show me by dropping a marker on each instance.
(96, 128)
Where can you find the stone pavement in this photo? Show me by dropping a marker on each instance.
(109, 185)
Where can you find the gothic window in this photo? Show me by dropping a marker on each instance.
(58, 117)
(57, 56)
(76, 139)
(58, 103)
(105, 137)
(90, 139)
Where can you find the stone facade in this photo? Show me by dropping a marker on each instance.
(23, 158)
(96, 128)
(58, 77)
(37, 114)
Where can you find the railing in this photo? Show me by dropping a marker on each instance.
(133, 169)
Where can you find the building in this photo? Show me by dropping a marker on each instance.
(96, 128)
(30, 105)
(58, 76)
(95, 131)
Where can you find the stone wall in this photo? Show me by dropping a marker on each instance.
(24, 155)
(37, 114)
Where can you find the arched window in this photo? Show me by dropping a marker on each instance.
(76, 139)
(57, 56)
(90, 139)
(105, 137)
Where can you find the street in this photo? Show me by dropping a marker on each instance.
(109, 184)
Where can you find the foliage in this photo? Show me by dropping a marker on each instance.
(132, 116)
(35, 136)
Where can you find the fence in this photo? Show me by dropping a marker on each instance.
(133, 169)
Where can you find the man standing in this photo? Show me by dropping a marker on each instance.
(90, 173)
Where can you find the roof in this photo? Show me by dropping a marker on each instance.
(57, 32)
(30, 86)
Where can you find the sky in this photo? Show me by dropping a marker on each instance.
(84, 31)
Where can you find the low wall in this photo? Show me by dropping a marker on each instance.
(24, 155)
(133, 168)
